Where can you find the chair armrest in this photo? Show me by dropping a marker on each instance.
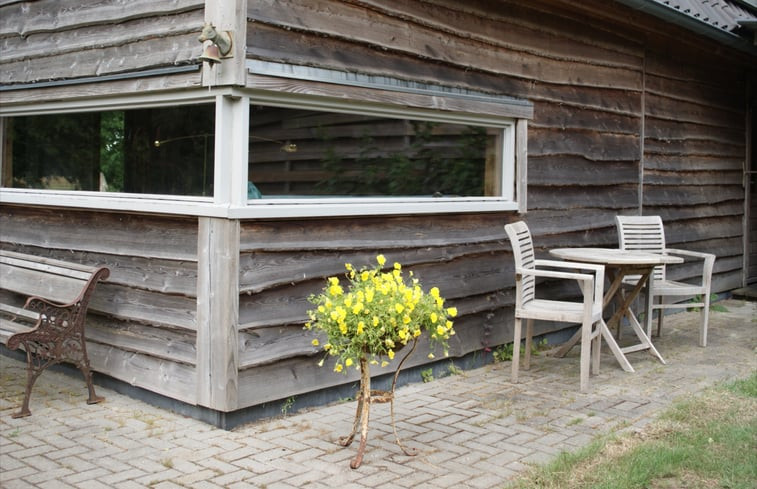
(708, 258)
(553, 274)
(39, 304)
(598, 276)
(695, 254)
(570, 265)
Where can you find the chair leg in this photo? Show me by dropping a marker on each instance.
(705, 317)
(660, 315)
(596, 349)
(529, 341)
(586, 341)
(516, 349)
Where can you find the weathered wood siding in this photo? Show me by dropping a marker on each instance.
(623, 123)
(283, 262)
(694, 153)
(142, 323)
(67, 39)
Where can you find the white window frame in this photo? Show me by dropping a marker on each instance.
(230, 160)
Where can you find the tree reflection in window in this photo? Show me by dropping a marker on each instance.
(362, 155)
(113, 151)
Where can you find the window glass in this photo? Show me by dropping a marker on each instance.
(149, 151)
(301, 153)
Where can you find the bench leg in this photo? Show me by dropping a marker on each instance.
(93, 398)
(35, 365)
(33, 371)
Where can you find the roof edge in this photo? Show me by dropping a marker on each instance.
(674, 16)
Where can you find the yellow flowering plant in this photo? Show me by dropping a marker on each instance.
(375, 313)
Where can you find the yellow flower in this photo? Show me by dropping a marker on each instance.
(434, 292)
(399, 308)
(360, 327)
(452, 311)
(384, 363)
(338, 367)
(390, 354)
(381, 259)
(327, 346)
(348, 362)
(434, 318)
(431, 355)
(315, 342)
(440, 330)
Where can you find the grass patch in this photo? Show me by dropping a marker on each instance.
(703, 442)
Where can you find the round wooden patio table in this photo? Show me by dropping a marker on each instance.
(618, 265)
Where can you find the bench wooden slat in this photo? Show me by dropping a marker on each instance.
(47, 267)
(19, 311)
(9, 328)
(49, 261)
(28, 282)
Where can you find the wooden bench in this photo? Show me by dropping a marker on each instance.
(50, 325)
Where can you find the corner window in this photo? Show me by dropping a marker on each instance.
(165, 150)
(308, 153)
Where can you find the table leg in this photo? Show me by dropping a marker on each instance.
(615, 283)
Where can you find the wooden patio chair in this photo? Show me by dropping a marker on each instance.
(588, 312)
(646, 233)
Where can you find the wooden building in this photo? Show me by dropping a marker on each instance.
(222, 188)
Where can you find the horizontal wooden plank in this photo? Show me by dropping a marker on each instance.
(543, 197)
(689, 162)
(175, 345)
(170, 379)
(145, 306)
(588, 144)
(173, 238)
(702, 211)
(262, 270)
(27, 18)
(576, 170)
(136, 56)
(102, 34)
(153, 274)
(375, 234)
(668, 108)
(557, 115)
(692, 147)
(369, 95)
(692, 178)
(685, 195)
(676, 129)
(99, 87)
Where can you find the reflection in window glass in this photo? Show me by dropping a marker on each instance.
(310, 153)
(147, 151)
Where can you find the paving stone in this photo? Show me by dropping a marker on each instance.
(474, 430)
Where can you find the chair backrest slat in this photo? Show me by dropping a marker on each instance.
(642, 233)
(523, 255)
